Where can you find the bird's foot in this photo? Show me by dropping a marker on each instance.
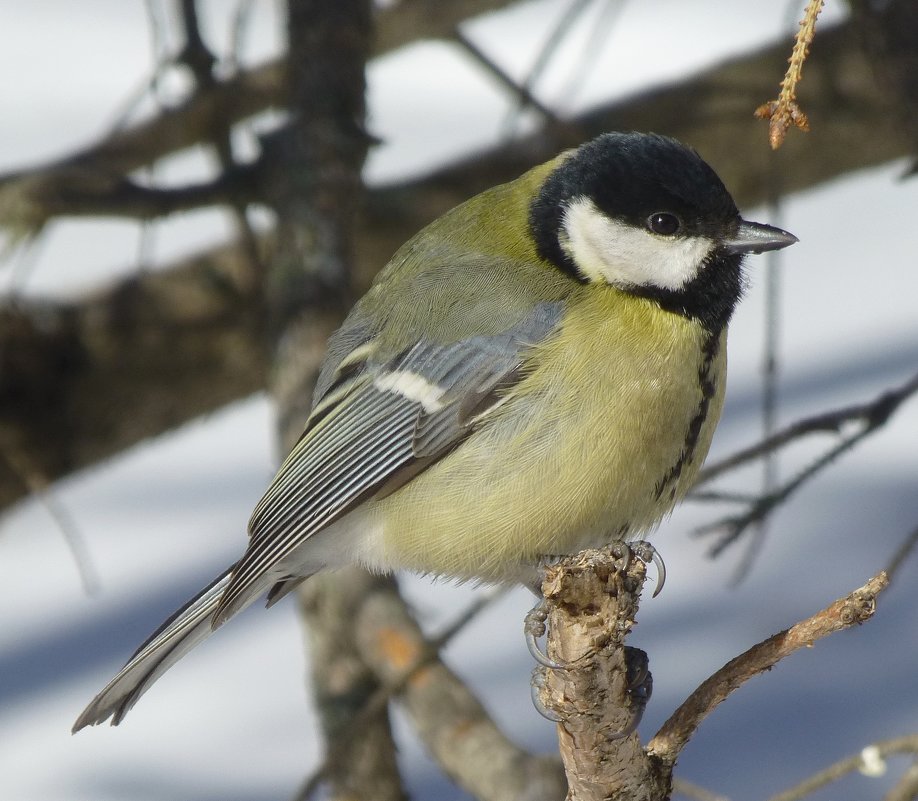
(536, 683)
(626, 551)
(534, 628)
(639, 688)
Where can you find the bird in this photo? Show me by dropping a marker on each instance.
(538, 371)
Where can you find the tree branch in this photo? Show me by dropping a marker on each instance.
(870, 417)
(311, 179)
(449, 719)
(857, 607)
(873, 415)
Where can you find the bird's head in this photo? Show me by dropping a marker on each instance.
(646, 214)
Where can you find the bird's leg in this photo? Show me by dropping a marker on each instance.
(534, 628)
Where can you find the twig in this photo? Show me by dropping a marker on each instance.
(903, 552)
(906, 788)
(857, 607)
(601, 30)
(869, 759)
(239, 28)
(547, 51)
(202, 62)
(873, 414)
(525, 96)
(785, 111)
(731, 528)
(195, 54)
(693, 791)
(73, 538)
(770, 364)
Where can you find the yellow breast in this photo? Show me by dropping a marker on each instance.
(604, 435)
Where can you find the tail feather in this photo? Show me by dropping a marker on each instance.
(170, 642)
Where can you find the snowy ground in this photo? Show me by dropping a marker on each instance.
(233, 720)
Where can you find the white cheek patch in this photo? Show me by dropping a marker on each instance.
(623, 255)
(412, 386)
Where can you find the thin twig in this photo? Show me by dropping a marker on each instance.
(696, 793)
(770, 364)
(239, 29)
(601, 29)
(524, 95)
(857, 607)
(873, 414)
(906, 789)
(869, 759)
(201, 61)
(543, 59)
(729, 529)
(785, 111)
(66, 525)
(195, 54)
(903, 552)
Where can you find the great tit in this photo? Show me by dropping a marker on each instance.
(538, 371)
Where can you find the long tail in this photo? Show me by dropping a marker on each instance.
(170, 642)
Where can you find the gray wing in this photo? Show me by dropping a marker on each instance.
(374, 427)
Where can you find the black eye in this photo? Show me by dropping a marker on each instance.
(663, 223)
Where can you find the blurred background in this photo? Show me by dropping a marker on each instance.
(138, 430)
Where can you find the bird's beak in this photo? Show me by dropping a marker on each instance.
(753, 237)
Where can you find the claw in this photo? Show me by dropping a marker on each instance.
(647, 553)
(623, 553)
(534, 627)
(640, 688)
(637, 669)
(535, 684)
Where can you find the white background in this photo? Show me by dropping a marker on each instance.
(233, 720)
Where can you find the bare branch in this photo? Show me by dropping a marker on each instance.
(450, 721)
(66, 525)
(729, 529)
(870, 417)
(857, 607)
(195, 54)
(693, 791)
(907, 787)
(525, 97)
(873, 415)
(902, 553)
(400, 677)
(348, 698)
